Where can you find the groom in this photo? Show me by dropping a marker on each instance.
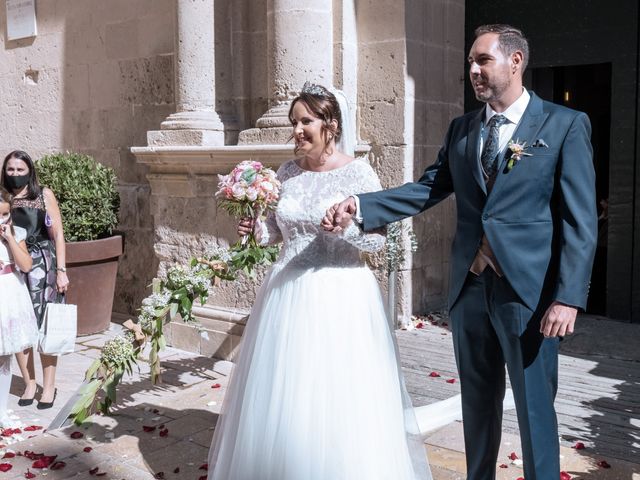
(522, 173)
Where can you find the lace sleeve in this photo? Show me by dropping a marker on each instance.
(268, 231)
(366, 181)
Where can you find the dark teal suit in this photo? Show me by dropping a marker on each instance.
(540, 220)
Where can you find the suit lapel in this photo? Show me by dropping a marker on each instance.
(530, 124)
(471, 153)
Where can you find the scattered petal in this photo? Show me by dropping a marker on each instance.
(434, 374)
(87, 449)
(76, 435)
(93, 471)
(503, 465)
(5, 467)
(578, 446)
(159, 475)
(216, 385)
(513, 456)
(148, 428)
(176, 470)
(33, 428)
(9, 455)
(564, 476)
(57, 466)
(164, 433)
(419, 325)
(29, 474)
(204, 466)
(604, 464)
(451, 380)
(156, 411)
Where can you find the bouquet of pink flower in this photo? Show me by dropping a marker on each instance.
(249, 190)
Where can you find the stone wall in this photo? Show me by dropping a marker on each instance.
(98, 75)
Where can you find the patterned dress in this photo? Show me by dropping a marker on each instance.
(41, 280)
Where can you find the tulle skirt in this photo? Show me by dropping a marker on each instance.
(18, 326)
(317, 392)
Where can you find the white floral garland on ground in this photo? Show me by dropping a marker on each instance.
(171, 297)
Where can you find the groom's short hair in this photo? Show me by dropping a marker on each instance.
(510, 40)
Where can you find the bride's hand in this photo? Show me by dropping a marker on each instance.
(245, 227)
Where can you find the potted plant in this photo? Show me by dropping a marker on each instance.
(89, 201)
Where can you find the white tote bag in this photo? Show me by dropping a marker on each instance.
(59, 329)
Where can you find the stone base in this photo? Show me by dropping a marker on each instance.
(159, 138)
(265, 136)
(217, 334)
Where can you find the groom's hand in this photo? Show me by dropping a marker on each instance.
(338, 217)
(558, 320)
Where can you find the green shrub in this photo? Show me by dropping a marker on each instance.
(86, 192)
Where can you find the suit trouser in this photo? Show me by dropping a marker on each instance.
(491, 326)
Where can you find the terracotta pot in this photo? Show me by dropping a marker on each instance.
(92, 267)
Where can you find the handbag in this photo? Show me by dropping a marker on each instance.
(57, 334)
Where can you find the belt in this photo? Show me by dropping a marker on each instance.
(6, 269)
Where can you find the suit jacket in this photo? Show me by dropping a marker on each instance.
(540, 217)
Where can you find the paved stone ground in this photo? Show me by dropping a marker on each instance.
(186, 406)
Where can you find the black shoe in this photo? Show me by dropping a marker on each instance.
(45, 405)
(25, 402)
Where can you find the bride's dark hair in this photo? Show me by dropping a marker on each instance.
(323, 105)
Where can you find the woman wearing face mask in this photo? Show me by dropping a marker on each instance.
(35, 209)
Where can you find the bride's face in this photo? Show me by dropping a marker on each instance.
(307, 131)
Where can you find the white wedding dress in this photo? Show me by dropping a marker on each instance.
(317, 392)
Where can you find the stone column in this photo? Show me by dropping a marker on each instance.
(300, 42)
(195, 121)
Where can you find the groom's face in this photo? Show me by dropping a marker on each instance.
(490, 70)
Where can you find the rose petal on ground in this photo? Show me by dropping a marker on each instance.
(164, 433)
(203, 477)
(451, 380)
(76, 435)
(9, 455)
(604, 464)
(216, 385)
(503, 465)
(204, 466)
(148, 428)
(29, 474)
(32, 428)
(87, 449)
(565, 476)
(434, 374)
(176, 470)
(419, 325)
(5, 467)
(159, 475)
(513, 456)
(578, 446)
(93, 471)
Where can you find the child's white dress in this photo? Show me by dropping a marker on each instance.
(18, 326)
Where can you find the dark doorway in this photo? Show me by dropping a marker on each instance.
(586, 88)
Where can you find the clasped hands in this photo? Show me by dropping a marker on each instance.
(339, 216)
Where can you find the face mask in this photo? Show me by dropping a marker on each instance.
(17, 181)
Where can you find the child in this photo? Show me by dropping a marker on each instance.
(18, 326)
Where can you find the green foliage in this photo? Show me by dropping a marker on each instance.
(172, 296)
(86, 192)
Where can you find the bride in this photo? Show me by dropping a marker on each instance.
(317, 392)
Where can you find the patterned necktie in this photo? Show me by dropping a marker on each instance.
(489, 155)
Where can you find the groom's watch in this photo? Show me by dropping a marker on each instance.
(61, 269)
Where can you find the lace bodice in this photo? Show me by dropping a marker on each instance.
(304, 199)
